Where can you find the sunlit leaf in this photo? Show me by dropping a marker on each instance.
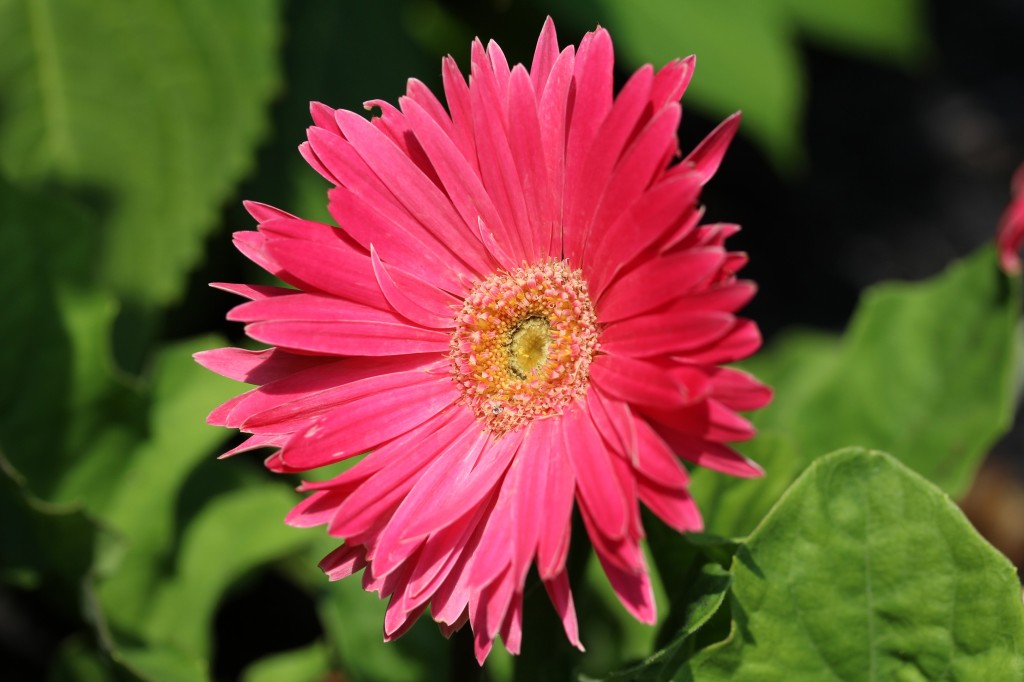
(154, 107)
(866, 571)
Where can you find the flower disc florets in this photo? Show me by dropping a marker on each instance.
(523, 344)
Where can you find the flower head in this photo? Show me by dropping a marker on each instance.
(1010, 233)
(520, 314)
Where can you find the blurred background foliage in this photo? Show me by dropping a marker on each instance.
(877, 142)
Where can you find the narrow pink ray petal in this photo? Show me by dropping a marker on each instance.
(497, 169)
(421, 94)
(309, 154)
(656, 461)
(269, 440)
(553, 545)
(512, 628)
(418, 194)
(460, 180)
(587, 187)
(324, 258)
(615, 423)
(365, 424)
(597, 486)
(262, 212)
(393, 124)
(739, 390)
(312, 391)
(499, 64)
(661, 209)
(709, 419)
(405, 458)
(544, 56)
(728, 297)
(638, 382)
(323, 117)
(256, 366)
(739, 342)
(525, 139)
(559, 592)
(528, 476)
(369, 335)
(317, 509)
(443, 550)
(707, 156)
(654, 334)
(467, 486)
(430, 485)
(633, 589)
(343, 562)
(675, 507)
(456, 93)
(423, 305)
(671, 82)
(396, 240)
(658, 281)
(592, 102)
(553, 115)
(356, 385)
(636, 170)
(710, 455)
(253, 292)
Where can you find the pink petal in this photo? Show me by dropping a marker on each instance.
(661, 209)
(343, 562)
(659, 334)
(657, 281)
(640, 382)
(365, 424)
(420, 197)
(632, 589)
(597, 486)
(544, 56)
(416, 301)
(253, 292)
(553, 545)
(525, 139)
(675, 507)
(709, 455)
(256, 366)
(707, 156)
(561, 597)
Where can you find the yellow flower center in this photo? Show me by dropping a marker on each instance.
(523, 344)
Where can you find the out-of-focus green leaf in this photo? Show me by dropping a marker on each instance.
(883, 29)
(926, 370)
(154, 106)
(232, 536)
(76, 662)
(864, 570)
(705, 596)
(43, 545)
(746, 59)
(143, 507)
(309, 664)
(352, 619)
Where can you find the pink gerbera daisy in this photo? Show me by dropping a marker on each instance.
(519, 313)
(1010, 233)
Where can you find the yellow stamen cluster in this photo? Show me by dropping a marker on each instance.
(523, 343)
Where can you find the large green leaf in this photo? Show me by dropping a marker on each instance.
(153, 106)
(866, 571)
(143, 507)
(309, 664)
(926, 370)
(233, 535)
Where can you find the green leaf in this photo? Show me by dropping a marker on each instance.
(309, 664)
(705, 596)
(153, 107)
(233, 535)
(143, 507)
(865, 571)
(747, 60)
(352, 619)
(883, 29)
(926, 370)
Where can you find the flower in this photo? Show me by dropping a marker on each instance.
(1010, 233)
(520, 314)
